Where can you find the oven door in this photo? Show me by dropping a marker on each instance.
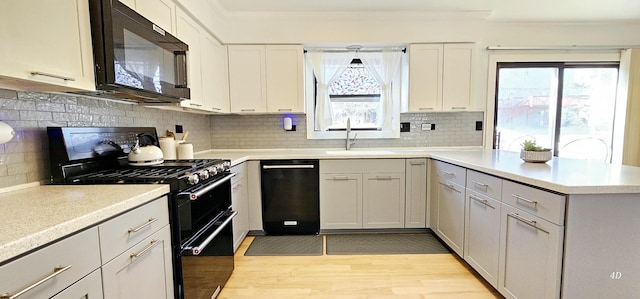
(207, 261)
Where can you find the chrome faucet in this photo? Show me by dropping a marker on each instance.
(351, 142)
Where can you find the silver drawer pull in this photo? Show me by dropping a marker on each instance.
(458, 108)
(216, 109)
(518, 197)
(425, 108)
(56, 271)
(195, 105)
(142, 252)
(526, 221)
(482, 201)
(383, 178)
(285, 110)
(416, 163)
(137, 229)
(449, 186)
(449, 174)
(52, 76)
(480, 185)
(247, 110)
(340, 178)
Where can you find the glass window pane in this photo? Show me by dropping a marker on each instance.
(526, 106)
(588, 103)
(355, 95)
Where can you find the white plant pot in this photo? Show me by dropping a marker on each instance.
(535, 157)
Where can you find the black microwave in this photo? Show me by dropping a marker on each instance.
(134, 58)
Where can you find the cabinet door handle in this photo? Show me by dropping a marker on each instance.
(216, 109)
(416, 163)
(195, 105)
(247, 110)
(518, 197)
(482, 201)
(526, 221)
(56, 271)
(383, 178)
(458, 108)
(137, 229)
(340, 178)
(449, 174)
(285, 110)
(425, 108)
(137, 255)
(52, 76)
(480, 185)
(450, 187)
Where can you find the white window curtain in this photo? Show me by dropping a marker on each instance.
(383, 66)
(327, 67)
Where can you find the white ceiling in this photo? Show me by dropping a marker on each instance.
(497, 10)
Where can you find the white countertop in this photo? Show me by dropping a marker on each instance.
(568, 176)
(36, 216)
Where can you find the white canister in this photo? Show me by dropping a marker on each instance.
(185, 150)
(168, 147)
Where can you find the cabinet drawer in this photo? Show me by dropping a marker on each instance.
(78, 252)
(239, 170)
(362, 166)
(89, 287)
(544, 204)
(450, 172)
(124, 231)
(484, 184)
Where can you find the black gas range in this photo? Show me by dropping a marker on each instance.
(199, 200)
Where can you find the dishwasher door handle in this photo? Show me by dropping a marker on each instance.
(298, 166)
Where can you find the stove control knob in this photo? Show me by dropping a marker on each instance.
(203, 175)
(227, 165)
(220, 167)
(193, 179)
(213, 170)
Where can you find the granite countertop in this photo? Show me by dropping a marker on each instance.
(567, 176)
(36, 216)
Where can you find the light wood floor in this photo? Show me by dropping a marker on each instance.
(353, 276)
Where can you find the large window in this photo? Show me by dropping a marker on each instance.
(355, 95)
(568, 107)
(363, 87)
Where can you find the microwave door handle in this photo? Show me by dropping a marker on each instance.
(180, 61)
(196, 250)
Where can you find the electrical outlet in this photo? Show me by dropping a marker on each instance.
(179, 129)
(479, 125)
(428, 127)
(405, 127)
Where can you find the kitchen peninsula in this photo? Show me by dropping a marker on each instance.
(593, 207)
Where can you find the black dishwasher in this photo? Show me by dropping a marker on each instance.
(290, 196)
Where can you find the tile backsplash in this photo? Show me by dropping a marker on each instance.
(265, 131)
(25, 158)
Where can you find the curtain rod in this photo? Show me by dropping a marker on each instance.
(337, 50)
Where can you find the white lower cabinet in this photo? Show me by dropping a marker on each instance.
(363, 193)
(63, 262)
(240, 203)
(416, 194)
(482, 235)
(143, 271)
(383, 200)
(340, 201)
(530, 255)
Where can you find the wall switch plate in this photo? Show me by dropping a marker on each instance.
(179, 129)
(428, 127)
(479, 125)
(405, 127)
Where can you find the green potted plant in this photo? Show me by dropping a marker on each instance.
(533, 153)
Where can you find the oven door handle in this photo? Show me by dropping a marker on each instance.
(198, 193)
(196, 250)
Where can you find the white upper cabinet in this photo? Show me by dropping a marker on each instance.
(285, 84)
(266, 78)
(215, 79)
(46, 45)
(457, 76)
(188, 31)
(247, 84)
(440, 77)
(425, 77)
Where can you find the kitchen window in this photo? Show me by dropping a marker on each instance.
(569, 107)
(362, 86)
